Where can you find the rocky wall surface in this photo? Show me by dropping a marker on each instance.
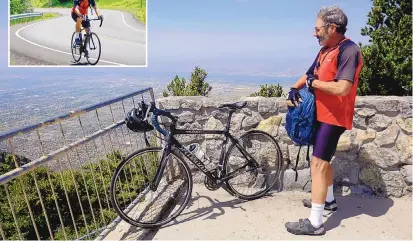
(374, 157)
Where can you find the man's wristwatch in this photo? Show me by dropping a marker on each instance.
(309, 81)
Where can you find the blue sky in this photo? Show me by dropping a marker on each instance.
(226, 36)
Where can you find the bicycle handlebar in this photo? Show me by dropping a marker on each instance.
(101, 20)
(95, 19)
(158, 112)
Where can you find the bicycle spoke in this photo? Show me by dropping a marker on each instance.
(93, 47)
(76, 53)
(253, 164)
(150, 208)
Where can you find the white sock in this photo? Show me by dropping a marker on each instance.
(316, 216)
(330, 194)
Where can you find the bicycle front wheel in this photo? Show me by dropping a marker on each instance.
(76, 49)
(131, 194)
(92, 46)
(249, 182)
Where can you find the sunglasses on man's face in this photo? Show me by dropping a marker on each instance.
(317, 29)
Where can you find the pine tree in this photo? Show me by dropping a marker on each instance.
(387, 59)
(197, 85)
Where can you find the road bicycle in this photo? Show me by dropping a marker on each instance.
(151, 171)
(90, 43)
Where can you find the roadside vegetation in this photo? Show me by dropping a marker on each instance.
(136, 7)
(33, 19)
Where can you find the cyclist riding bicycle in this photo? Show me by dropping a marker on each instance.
(79, 13)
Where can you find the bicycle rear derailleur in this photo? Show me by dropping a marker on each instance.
(212, 184)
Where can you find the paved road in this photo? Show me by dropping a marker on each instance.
(123, 39)
(219, 216)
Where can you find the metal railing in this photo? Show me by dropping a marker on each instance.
(25, 15)
(55, 175)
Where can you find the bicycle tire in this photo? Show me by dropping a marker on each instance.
(74, 49)
(157, 223)
(278, 163)
(100, 50)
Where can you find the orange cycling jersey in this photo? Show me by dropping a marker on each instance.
(83, 5)
(342, 62)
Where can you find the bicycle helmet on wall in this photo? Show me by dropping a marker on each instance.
(135, 119)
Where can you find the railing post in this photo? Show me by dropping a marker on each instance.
(55, 190)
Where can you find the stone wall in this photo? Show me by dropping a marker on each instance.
(374, 157)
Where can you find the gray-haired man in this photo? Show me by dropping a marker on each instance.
(334, 78)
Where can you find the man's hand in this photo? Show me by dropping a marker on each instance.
(294, 96)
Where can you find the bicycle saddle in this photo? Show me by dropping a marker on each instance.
(234, 106)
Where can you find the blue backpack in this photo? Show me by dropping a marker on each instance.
(300, 123)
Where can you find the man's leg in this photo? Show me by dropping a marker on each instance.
(86, 44)
(319, 176)
(330, 202)
(78, 24)
(330, 182)
(78, 33)
(327, 137)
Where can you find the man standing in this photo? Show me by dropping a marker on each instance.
(334, 78)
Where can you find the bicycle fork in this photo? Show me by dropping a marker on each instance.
(159, 172)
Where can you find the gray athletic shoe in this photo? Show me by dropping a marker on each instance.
(330, 206)
(304, 227)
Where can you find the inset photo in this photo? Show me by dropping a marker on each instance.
(66, 33)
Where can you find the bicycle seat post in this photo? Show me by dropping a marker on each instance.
(229, 120)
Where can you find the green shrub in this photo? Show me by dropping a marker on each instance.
(197, 85)
(136, 7)
(387, 58)
(20, 6)
(270, 91)
(61, 181)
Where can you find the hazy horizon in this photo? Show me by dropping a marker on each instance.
(238, 42)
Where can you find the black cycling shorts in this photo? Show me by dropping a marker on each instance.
(85, 24)
(326, 140)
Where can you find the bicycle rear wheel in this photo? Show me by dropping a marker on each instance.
(76, 49)
(265, 150)
(136, 203)
(92, 45)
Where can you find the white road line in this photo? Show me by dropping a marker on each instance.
(56, 50)
(123, 19)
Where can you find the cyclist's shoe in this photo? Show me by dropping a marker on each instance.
(77, 41)
(304, 227)
(86, 54)
(330, 206)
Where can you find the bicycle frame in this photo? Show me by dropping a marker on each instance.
(171, 142)
(89, 32)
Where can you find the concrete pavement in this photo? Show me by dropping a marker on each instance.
(218, 215)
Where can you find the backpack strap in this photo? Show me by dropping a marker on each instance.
(309, 164)
(296, 163)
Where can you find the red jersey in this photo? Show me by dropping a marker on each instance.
(343, 62)
(83, 5)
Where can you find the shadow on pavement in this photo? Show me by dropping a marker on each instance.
(79, 64)
(352, 206)
(207, 211)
